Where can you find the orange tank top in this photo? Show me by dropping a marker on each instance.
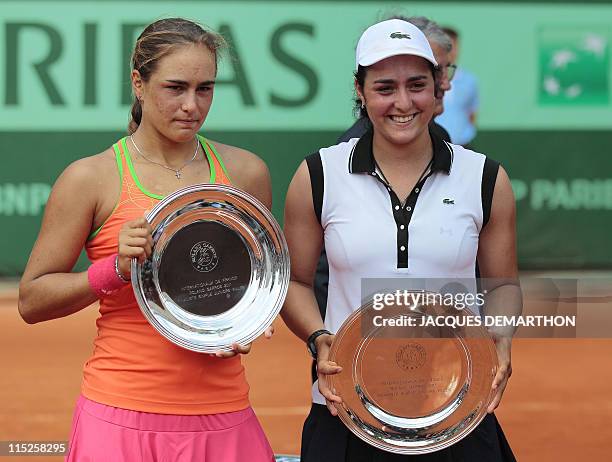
(133, 366)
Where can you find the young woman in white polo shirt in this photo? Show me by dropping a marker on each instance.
(396, 202)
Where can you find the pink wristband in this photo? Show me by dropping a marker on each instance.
(103, 277)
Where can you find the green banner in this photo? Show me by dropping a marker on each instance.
(544, 72)
(65, 63)
(563, 189)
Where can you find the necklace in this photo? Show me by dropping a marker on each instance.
(177, 172)
(425, 172)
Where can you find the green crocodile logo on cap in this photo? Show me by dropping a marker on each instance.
(399, 35)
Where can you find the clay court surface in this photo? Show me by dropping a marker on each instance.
(558, 406)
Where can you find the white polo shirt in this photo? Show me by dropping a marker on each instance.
(369, 233)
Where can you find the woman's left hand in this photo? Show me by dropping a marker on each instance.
(504, 371)
(242, 349)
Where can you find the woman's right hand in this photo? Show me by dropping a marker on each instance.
(325, 367)
(135, 241)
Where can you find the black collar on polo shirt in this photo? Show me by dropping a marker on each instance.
(362, 156)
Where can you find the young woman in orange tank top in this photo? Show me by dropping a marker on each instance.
(143, 397)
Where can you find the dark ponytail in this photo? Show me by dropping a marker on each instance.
(135, 116)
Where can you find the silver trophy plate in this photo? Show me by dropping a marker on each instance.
(219, 269)
(411, 390)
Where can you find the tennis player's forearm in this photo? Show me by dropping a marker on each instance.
(300, 311)
(504, 300)
(53, 296)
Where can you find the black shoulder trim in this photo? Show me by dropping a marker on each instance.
(489, 177)
(315, 168)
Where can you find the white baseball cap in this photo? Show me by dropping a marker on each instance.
(391, 38)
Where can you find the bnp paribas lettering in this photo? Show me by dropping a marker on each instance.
(16, 34)
(571, 194)
(23, 199)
